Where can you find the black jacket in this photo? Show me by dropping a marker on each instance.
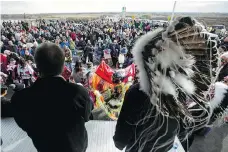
(14, 56)
(128, 129)
(6, 110)
(12, 48)
(88, 50)
(53, 112)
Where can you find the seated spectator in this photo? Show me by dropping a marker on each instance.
(12, 47)
(25, 72)
(28, 56)
(22, 52)
(65, 43)
(10, 55)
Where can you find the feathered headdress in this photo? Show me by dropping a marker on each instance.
(165, 59)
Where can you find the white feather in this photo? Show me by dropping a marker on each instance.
(185, 83)
(154, 51)
(170, 55)
(189, 72)
(220, 90)
(166, 85)
(172, 74)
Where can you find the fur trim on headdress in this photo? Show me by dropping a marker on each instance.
(220, 89)
(138, 58)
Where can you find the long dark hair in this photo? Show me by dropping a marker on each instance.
(78, 66)
(22, 62)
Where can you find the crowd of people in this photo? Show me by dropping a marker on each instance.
(44, 58)
(85, 42)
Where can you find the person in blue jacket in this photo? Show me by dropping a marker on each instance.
(65, 43)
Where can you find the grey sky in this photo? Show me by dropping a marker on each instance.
(65, 6)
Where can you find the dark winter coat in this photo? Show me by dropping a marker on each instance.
(115, 48)
(12, 48)
(135, 107)
(53, 112)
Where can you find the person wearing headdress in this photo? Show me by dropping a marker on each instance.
(167, 101)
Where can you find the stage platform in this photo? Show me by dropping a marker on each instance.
(100, 135)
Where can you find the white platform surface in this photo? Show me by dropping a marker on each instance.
(100, 135)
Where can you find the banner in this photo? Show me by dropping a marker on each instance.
(105, 72)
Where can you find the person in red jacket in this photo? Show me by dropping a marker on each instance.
(73, 35)
(3, 62)
(66, 73)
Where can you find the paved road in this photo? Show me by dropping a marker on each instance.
(215, 141)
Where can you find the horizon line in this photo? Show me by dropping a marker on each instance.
(108, 12)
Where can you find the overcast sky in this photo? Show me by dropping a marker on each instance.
(66, 6)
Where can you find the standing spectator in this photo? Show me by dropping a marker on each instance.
(82, 44)
(88, 53)
(115, 48)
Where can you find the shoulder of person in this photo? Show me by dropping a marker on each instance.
(78, 89)
(134, 93)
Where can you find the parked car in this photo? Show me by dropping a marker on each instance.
(219, 29)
